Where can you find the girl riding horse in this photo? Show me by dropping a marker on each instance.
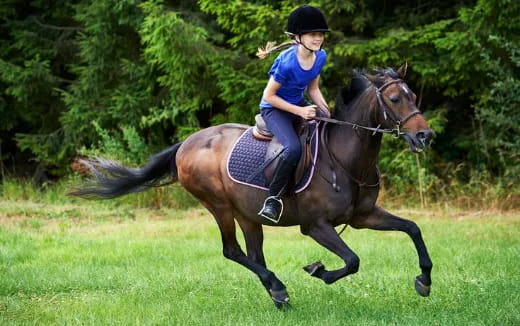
(295, 70)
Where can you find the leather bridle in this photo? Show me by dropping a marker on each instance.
(387, 114)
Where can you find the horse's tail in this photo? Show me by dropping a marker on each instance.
(119, 180)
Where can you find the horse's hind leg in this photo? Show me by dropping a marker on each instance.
(254, 237)
(231, 249)
(381, 220)
(326, 235)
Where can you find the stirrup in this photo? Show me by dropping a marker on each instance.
(279, 201)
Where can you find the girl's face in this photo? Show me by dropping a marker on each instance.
(313, 40)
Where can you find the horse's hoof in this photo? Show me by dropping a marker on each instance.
(280, 299)
(283, 306)
(423, 290)
(313, 268)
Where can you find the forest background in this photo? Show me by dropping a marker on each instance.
(126, 78)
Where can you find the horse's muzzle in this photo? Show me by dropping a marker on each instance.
(419, 140)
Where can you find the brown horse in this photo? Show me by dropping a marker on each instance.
(343, 190)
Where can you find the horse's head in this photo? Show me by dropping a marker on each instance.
(397, 108)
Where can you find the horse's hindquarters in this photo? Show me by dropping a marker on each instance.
(201, 161)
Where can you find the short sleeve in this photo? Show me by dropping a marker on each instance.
(278, 71)
(323, 58)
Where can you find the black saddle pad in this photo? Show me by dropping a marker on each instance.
(248, 155)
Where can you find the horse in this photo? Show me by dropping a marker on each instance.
(343, 190)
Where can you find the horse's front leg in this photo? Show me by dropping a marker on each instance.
(381, 220)
(325, 234)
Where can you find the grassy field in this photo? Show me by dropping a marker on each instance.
(92, 263)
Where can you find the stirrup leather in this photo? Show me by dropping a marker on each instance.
(279, 201)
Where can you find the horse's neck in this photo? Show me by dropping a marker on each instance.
(356, 151)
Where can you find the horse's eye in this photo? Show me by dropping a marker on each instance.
(394, 99)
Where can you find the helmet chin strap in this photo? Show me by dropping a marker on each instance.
(299, 41)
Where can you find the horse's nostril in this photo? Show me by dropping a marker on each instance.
(421, 136)
(425, 135)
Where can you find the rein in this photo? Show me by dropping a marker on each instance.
(387, 113)
(396, 132)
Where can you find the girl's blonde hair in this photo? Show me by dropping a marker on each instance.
(271, 47)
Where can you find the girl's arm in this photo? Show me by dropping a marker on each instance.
(315, 94)
(306, 112)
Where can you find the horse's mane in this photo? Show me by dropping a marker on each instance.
(360, 82)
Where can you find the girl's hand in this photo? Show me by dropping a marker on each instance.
(324, 112)
(308, 112)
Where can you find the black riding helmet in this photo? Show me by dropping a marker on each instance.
(306, 19)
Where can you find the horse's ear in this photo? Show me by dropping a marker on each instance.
(402, 70)
(371, 78)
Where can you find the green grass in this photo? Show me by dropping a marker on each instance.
(53, 193)
(90, 263)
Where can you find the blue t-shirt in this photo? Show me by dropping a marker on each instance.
(293, 78)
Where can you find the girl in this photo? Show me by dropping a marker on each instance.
(294, 70)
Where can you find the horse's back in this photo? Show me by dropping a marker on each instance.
(202, 156)
(212, 139)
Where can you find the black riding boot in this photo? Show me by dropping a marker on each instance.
(273, 205)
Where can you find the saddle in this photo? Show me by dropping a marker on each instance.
(275, 148)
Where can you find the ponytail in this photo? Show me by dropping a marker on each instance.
(271, 47)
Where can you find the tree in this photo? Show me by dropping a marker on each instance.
(129, 77)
